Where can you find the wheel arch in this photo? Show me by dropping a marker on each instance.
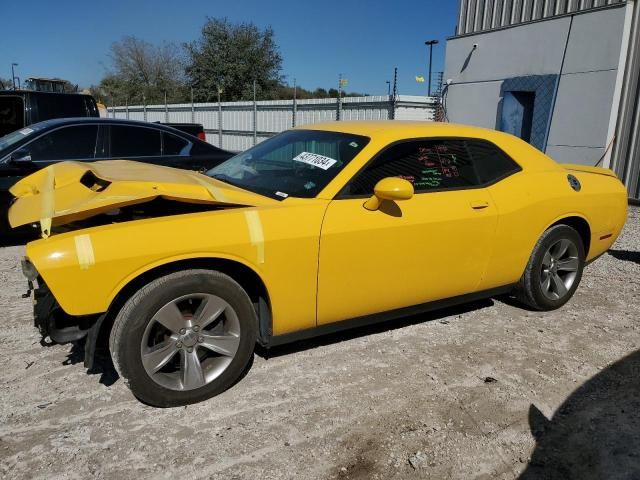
(246, 277)
(580, 225)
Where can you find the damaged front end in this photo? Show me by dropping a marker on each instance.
(54, 324)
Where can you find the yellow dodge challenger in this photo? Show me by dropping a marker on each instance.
(317, 229)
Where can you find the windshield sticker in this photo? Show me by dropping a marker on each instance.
(315, 160)
(26, 131)
(353, 144)
(309, 185)
(282, 194)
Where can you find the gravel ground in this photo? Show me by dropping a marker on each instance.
(461, 393)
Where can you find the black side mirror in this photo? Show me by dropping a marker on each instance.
(22, 155)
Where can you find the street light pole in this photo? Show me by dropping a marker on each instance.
(13, 75)
(388, 82)
(430, 43)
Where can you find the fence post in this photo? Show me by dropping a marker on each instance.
(126, 108)
(166, 108)
(339, 104)
(255, 115)
(144, 107)
(193, 108)
(395, 93)
(219, 119)
(295, 103)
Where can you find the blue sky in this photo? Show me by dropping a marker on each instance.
(317, 39)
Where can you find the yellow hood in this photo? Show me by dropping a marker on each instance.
(71, 191)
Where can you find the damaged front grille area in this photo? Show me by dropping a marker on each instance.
(52, 322)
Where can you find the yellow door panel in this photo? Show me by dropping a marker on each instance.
(433, 246)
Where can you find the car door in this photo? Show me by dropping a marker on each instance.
(72, 142)
(433, 246)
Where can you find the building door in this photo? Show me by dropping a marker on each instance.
(517, 114)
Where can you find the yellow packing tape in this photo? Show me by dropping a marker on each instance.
(256, 236)
(84, 250)
(47, 212)
(214, 191)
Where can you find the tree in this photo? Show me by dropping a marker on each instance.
(143, 72)
(230, 57)
(5, 84)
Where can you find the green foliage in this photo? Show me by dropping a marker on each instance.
(230, 57)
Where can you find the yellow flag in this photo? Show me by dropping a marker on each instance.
(419, 79)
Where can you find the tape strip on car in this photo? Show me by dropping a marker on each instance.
(214, 191)
(256, 236)
(46, 214)
(84, 250)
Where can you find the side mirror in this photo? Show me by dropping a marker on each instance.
(391, 188)
(22, 155)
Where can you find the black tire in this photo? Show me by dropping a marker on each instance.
(530, 289)
(125, 342)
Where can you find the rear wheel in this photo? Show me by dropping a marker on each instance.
(184, 337)
(554, 269)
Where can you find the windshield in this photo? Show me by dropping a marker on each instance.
(297, 163)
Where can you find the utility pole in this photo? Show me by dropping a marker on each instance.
(388, 82)
(13, 75)
(430, 44)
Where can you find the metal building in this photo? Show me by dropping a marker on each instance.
(561, 74)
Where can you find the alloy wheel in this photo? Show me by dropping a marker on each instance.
(559, 269)
(190, 341)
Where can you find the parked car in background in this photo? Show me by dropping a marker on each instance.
(195, 129)
(21, 108)
(88, 139)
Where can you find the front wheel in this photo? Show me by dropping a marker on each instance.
(554, 269)
(184, 337)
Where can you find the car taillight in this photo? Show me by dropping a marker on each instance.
(202, 136)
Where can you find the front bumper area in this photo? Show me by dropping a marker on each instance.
(52, 322)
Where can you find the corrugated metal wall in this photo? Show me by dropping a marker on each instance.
(481, 15)
(277, 115)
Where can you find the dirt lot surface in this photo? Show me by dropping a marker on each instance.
(464, 393)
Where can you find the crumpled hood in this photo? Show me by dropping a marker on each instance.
(72, 191)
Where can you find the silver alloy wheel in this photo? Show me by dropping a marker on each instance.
(559, 269)
(190, 341)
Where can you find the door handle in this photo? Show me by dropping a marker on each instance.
(479, 204)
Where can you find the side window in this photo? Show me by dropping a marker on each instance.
(427, 164)
(174, 145)
(129, 141)
(491, 163)
(67, 143)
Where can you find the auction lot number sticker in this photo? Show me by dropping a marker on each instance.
(315, 160)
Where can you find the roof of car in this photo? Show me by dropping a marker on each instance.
(403, 128)
(58, 122)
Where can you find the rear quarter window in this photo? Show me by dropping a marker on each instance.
(490, 162)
